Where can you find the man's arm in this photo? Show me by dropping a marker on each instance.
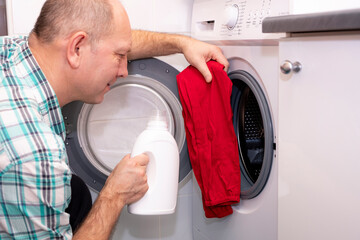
(149, 44)
(126, 184)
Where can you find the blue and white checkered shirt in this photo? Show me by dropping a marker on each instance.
(34, 173)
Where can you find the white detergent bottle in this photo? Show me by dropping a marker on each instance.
(162, 171)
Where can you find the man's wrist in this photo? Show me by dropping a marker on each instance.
(180, 42)
(110, 198)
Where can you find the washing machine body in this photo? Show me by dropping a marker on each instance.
(235, 26)
(99, 136)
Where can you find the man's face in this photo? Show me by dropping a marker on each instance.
(107, 60)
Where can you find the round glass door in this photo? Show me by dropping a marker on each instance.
(99, 136)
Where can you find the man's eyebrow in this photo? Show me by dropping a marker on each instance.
(122, 50)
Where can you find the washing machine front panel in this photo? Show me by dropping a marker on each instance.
(99, 136)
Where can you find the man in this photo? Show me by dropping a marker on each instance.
(76, 51)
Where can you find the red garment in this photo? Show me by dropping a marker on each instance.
(211, 139)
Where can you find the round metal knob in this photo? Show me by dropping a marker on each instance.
(231, 15)
(287, 66)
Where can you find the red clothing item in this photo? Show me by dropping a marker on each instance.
(212, 144)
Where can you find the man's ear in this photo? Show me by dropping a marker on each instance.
(76, 47)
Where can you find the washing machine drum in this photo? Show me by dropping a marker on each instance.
(99, 136)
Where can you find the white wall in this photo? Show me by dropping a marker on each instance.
(160, 15)
(22, 15)
(155, 15)
(312, 6)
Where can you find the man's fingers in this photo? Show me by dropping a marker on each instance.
(224, 62)
(220, 58)
(204, 70)
(142, 159)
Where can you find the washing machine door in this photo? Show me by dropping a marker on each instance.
(99, 136)
(254, 129)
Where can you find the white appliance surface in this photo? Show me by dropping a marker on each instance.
(165, 227)
(319, 138)
(235, 26)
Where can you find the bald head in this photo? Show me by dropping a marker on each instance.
(61, 18)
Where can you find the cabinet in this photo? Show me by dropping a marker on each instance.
(319, 138)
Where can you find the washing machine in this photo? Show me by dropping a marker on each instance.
(235, 26)
(98, 136)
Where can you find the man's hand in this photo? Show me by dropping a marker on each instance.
(198, 53)
(128, 181)
(126, 184)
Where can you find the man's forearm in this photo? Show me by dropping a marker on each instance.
(149, 44)
(126, 184)
(100, 220)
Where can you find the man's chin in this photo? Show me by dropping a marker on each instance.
(98, 100)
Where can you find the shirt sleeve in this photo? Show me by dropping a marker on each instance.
(34, 174)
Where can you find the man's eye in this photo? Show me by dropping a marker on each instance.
(120, 56)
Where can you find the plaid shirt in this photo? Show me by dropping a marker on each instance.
(34, 173)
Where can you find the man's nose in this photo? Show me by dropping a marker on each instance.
(123, 71)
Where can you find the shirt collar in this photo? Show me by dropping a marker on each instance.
(46, 97)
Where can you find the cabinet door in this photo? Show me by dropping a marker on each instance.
(319, 139)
